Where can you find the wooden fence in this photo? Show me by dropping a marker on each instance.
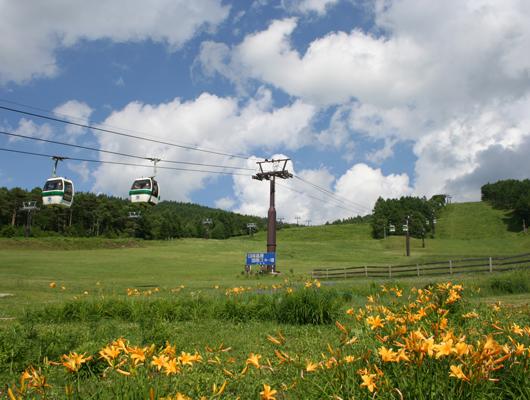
(466, 265)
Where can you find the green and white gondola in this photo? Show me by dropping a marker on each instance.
(58, 191)
(145, 190)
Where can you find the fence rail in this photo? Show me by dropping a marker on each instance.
(449, 267)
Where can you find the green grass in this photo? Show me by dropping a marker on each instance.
(29, 265)
(465, 221)
(36, 323)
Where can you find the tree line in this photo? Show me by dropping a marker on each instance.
(112, 217)
(421, 215)
(509, 194)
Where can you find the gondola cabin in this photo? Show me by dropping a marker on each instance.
(145, 190)
(58, 191)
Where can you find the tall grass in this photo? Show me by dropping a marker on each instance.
(304, 306)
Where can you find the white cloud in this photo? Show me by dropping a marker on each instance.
(494, 163)
(353, 193)
(209, 122)
(363, 184)
(225, 203)
(309, 6)
(74, 111)
(29, 128)
(80, 169)
(31, 32)
(423, 74)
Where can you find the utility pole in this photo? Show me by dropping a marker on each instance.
(297, 220)
(423, 237)
(308, 222)
(407, 237)
(525, 229)
(384, 231)
(279, 170)
(28, 206)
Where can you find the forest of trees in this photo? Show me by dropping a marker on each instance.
(421, 212)
(101, 215)
(510, 194)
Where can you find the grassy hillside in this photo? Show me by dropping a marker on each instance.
(470, 229)
(87, 307)
(478, 220)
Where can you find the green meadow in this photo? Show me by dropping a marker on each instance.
(179, 295)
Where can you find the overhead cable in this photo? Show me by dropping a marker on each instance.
(334, 196)
(118, 153)
(122, 163)
(317, 198)
(114, 132)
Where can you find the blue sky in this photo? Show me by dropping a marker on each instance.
(368, 98)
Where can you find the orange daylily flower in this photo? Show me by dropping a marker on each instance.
(456, 372)
(369, 382)
(374, 322)
(267, 393)
(253, 359)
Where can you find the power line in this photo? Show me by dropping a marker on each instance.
(324, 190)
(114, 132)
(121, 163)
(317, 198)
(118, 153)
(335, 197)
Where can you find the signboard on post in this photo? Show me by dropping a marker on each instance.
(268, 259)
(265, 261)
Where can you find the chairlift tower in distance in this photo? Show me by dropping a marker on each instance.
(207, 222)
(28, 207)
(407, 236)
(279, 170)
(251, 226)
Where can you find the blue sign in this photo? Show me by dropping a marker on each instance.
(261, 259)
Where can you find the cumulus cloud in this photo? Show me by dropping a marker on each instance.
(209, 122)
(495, 163)
(423, 74)
(32, 32)
(74, 111)
(309, 6)
(81, 169)
(225, 203)
(353, 193)
(27, 127)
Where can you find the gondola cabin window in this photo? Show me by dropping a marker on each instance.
(142, 184)
(155, 188)
(55, 184)
(68, 191)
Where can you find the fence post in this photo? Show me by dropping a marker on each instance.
(450, 266)
(390, 271)
(366, 271)
(491, 265)
(327, 273)
(345, 273)
(418, 269)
